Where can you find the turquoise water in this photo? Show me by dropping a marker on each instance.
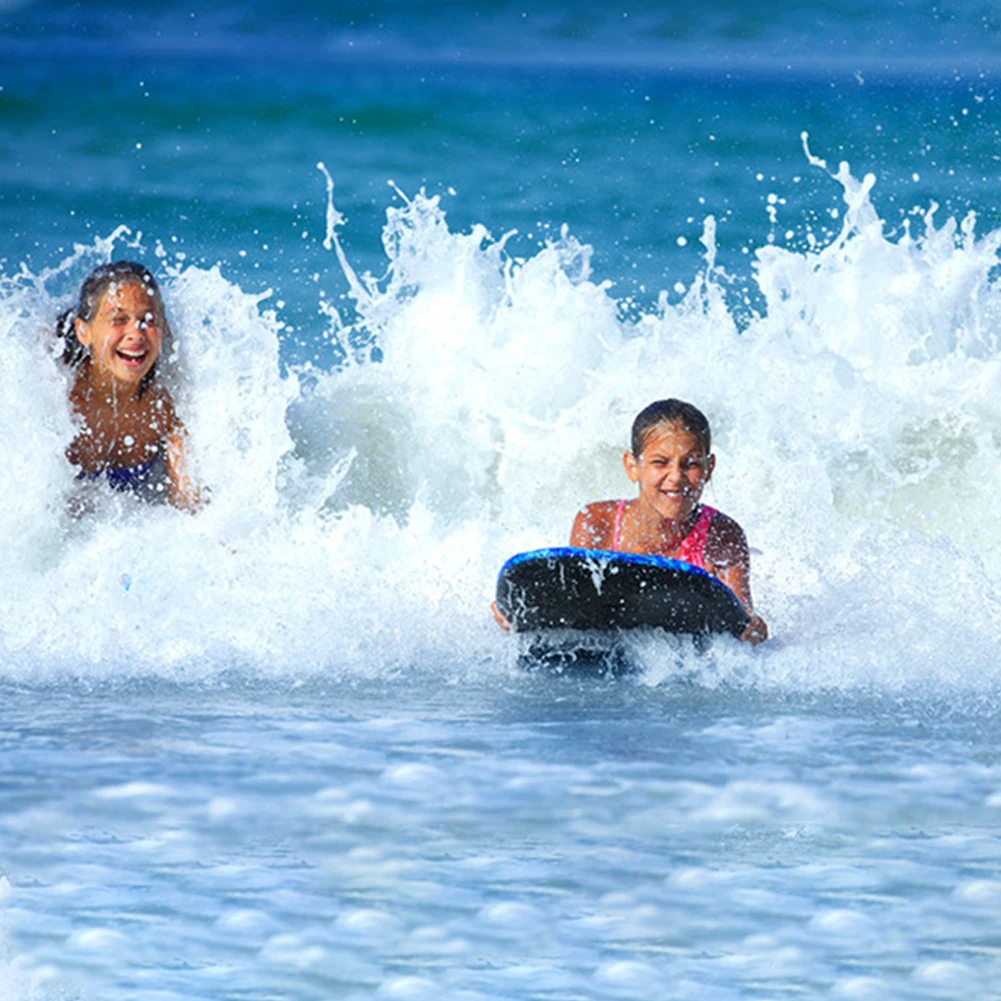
(280, 749)
(217, 162)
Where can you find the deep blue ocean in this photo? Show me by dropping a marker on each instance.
(423, 264)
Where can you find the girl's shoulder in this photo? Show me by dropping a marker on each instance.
(594, 525)
(158, 401)
(599, 508)
(726, 543)
(157, 393)
(598, 514)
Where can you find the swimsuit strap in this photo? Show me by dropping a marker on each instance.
(693, 545)
(617, 530)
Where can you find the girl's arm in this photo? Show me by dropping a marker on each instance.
(499, 618)
(182, 491)
(730, 558)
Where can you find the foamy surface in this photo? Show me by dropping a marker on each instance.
(532, 837)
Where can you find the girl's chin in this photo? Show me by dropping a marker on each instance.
(129, 376)
(674, 510)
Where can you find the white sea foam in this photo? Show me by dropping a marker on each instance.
(358, 515)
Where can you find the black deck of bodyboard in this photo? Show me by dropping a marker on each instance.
(589, 589)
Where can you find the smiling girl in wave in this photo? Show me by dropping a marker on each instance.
(672, 461)
(130, 436)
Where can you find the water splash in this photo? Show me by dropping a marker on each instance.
(358, 515)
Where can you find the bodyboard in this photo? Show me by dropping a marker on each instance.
(571, 588)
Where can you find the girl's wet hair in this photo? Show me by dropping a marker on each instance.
(670, 411)
(93, 290)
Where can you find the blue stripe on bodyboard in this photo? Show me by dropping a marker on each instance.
(610, 556)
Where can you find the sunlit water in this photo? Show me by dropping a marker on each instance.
(503, 837)
(280, 749)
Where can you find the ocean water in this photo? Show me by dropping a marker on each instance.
(424, 263)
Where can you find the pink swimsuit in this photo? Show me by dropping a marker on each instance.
(693, 545)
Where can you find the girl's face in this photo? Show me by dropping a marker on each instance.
(671, 471)
(123, 336)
